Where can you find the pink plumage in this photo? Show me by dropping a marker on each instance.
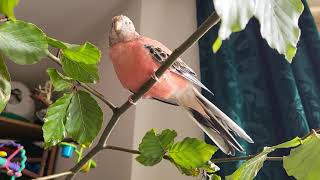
(134, 66)
(135, 59)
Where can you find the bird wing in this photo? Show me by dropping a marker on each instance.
(160, 54)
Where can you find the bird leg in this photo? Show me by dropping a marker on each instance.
(131, 101)
(154, 77)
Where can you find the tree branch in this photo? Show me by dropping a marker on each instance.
(131, 151)
(216, 161)
(85, 86)
(212, 20)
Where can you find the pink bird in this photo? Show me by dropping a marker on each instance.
(135, 59)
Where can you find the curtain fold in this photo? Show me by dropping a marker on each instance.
(272, 100)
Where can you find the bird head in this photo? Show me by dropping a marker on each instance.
(122, 29)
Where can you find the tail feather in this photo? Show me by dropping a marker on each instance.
(213, 121)
(224, 119)
(217, 133)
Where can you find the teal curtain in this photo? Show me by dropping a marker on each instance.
(274, 101)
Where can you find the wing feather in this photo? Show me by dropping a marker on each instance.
(179, 67)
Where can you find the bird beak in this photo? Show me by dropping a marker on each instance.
(117, 27)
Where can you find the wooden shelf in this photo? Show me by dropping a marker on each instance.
(19, 130)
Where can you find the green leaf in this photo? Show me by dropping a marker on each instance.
(22, 42)
(56, 43)
(60, 82)
(53, 128)
(148, 161)
(278, 20)
(87, 73)
(87, 53)
(292, 143)
(5, 86)
(234, 15)
(279, 24)
(84, 118)
(209, 167)
(7, 8)
(249, 169)
(214, 177)
(304, 161)
(216, 45)
(188, 172)
(154, 146)
(191, 153)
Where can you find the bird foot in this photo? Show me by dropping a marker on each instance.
(131, 101)
(154, 76)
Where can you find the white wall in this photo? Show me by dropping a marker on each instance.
(113, 165)
(170, 22)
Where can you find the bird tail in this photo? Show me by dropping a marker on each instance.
(215, 123)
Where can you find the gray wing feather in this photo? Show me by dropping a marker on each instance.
(179, 67)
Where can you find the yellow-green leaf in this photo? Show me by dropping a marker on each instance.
(191, 153)
(7, 8)
(217, 44)
(304, 161)
(249, 169)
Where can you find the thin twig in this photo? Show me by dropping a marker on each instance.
(216, 161)
(232, 159)
(54, 176)
(85, 86)
(98, 95)
(212, 20)
(310, 133)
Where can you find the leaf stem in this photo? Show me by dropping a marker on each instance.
(85, 86)
(212, 20)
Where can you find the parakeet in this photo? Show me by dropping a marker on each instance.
(135, 58)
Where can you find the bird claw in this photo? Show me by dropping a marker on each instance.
(154, 77)
(131, 101)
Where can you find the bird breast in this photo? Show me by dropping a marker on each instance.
(134, 66)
